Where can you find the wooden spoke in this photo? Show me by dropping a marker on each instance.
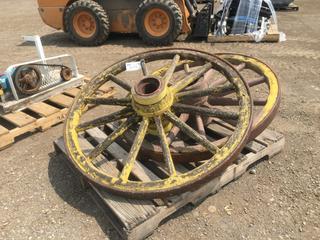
(112, 137)
(108, 101)
(183, 108)
(191, 78)
(144, 68)
(259, 101)
(223, 101)
(175, 130)
(135, 148)
(215, 91)
(187, 68)
(200, 125)
(191, 132)
(124, 113)
(120, 82)
(171, 69)
(165, 147)
(240, 67)
(256, 81)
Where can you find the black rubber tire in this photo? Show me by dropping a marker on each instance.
(101, 18)
(174, 13)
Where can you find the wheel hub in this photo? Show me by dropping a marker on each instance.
(151, 97)
(157, 22)
(84, 24)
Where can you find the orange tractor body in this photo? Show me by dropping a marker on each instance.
(83, 17)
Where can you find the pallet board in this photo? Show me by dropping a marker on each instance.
(137, 219)
(291, 7)
(273, 35)
(39, 115)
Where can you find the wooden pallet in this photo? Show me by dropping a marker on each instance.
(137, 219)
(290, 8)
(39, 115)
(273, 35)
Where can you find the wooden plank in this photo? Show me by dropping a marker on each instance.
(43, 109)
(105, 88)
(129, 211)
(73, 92)
(254, 146)
(6, 140)
(273, 35)
(242, 38)
(139, 170)
(19, 119)
(101, 161)
(141, 228)
(62, 100)
(24, 123)
(3, 130)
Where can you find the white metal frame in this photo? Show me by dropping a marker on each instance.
(36, 39)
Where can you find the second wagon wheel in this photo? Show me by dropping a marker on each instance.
(265, 91)
(264, 88)
(148, 110)
(159, 22)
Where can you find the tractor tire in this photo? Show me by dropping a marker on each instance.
(159, 22)
(87, 23)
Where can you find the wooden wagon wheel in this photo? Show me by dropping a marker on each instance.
(152, 107)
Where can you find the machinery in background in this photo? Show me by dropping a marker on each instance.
(158, 22)
(244, 17)
(35, 79)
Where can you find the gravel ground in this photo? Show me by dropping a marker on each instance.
(41, 199)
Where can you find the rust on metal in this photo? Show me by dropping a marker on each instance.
(149, 124)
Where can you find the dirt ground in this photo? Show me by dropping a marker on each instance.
(41, 199)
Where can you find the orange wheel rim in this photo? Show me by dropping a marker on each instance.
(84, 24)
(157, 22)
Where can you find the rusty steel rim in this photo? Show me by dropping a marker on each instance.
(144, 106)
(84, 24)
(157, 22)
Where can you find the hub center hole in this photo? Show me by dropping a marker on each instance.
(148, 86)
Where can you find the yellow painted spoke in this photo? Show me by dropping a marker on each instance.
(112, 137)
(223, 90)
(161, 71)
(171, 70)
(124, 113)
(191, 132)
(210, 112)
(135, 148)
(108, 101)
(175, 130)
(165, 147)
(191, 78)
